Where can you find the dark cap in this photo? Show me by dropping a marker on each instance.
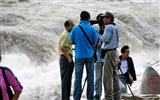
(109, 15)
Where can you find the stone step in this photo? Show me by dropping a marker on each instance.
(141, 97)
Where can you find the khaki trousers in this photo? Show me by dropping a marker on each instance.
(110, 76)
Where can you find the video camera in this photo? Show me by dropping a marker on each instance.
(99, 20)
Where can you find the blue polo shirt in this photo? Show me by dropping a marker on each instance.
(83, 49)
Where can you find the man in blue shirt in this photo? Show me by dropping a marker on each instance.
(110, 41)
(83, 55)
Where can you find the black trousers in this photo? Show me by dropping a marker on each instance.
(66, 70)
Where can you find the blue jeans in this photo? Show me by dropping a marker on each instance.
(121, 77)
(98, 76)
(122, 87)
(79, 64)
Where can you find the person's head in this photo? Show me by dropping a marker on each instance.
(99, 18)
(108, 18)
(125, 51)
(68, 25)
(85, 16)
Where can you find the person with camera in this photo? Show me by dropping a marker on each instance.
(83, 55)
(128, 75)
(99, 62)
(65, 61)
(7, 79)
(110, 39)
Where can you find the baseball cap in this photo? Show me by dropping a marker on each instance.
(109, 15)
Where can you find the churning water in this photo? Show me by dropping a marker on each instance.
(30, 32)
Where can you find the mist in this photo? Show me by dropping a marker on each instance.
(30, 33)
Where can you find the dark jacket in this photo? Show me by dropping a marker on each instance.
(131, 69)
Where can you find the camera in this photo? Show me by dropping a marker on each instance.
(99, 20)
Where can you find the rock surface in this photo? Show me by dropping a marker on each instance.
(150, 82)
(141, 97)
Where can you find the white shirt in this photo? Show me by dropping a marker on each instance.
(124, 66)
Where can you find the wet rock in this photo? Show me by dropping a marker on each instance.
(141, 97)
(150, 82)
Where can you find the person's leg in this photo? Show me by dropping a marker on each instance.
(71, 68)
(108, 77)
(115, 62)
(121, 77)
(66, 70)
(90, 78)
(79, 64)
(122, 86)
(98, 80)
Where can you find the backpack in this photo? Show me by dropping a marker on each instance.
(9, 90)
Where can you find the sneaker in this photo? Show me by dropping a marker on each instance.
(97, 97)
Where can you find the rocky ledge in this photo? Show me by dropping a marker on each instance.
(141, 97)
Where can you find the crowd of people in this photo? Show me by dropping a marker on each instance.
(111, 71)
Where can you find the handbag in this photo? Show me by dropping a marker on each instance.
(103, 52)
(94, 54)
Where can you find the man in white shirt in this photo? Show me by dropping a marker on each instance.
(127, 67)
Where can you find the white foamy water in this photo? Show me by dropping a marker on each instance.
(30, 32)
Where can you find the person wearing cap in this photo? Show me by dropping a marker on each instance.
(83, 55)
(110, 39)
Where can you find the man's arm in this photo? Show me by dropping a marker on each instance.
(106, 35)
(63, 48)
(133, 73)
(130, 77)
(16, 95)
(95, 43)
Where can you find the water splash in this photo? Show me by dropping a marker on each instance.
(29, 39)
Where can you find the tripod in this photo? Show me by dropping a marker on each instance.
(89, 69)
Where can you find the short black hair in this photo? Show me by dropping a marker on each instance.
(84, 15)
(123, 49)
(66, 23)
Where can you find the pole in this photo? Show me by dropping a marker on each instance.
(127, 84)
(89, 69)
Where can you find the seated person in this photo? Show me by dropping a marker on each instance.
(127, 67)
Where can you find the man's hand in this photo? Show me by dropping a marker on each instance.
(16, 95)
(130, 78)
(100, 37)
(69, 59)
